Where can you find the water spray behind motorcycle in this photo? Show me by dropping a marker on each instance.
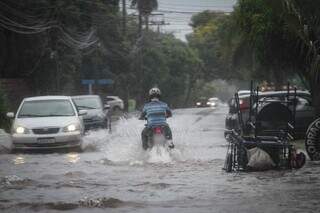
(158, 138)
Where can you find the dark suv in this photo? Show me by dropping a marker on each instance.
(305, 112)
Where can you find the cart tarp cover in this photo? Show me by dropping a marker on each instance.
(259, 159)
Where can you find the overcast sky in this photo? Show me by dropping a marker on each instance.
(178, 13)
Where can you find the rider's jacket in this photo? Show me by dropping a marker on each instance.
(156, 113)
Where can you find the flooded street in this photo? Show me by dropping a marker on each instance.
(114, 174)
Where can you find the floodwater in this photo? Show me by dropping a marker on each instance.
(114, 174)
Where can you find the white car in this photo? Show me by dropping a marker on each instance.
(47, 122)
(115, 103)
(213, 102)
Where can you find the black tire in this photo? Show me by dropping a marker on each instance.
(312, 141)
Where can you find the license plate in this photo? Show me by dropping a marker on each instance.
(46, 140)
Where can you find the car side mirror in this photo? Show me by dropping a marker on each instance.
(82, 112)
(106, 106)
(10, 114)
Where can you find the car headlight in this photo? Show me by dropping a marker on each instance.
(71, 128)
(21, 130)
(198, 103)
(208, 103)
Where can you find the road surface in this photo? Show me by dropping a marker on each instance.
(114, 174)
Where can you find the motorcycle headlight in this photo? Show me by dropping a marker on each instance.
(71, 128)
(21, 130)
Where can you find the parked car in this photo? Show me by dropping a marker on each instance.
(213, 102)
(97, 113)
(115, 103)
(47, 122)
(305, 112)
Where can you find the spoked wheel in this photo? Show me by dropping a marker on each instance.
(312, 141)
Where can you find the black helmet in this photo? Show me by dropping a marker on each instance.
(154, 93)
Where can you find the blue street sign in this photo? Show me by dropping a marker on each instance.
(105, 81)
(87, 81)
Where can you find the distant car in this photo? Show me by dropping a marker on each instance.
(47, 122)
(305, 112)
(202, 102)
(115, 103)
(213, 102)
(97, 113)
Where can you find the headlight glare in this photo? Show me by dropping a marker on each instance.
(71, 128)
(21, 130)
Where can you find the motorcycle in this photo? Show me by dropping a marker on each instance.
(157, 137)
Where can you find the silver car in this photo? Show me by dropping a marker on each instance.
(97, 113)
(115, 103)
(47, 122)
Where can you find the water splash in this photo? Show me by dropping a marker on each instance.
(123, 145)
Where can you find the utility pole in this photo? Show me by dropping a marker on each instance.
(158, 21)
(124, 17)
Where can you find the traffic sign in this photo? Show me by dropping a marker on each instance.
(105, 81)
(87, 81)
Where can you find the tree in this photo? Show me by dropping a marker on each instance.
(303, 20)
(145, 7)
(4, 123)
(51, 39)
(217, 41)
(169, 64)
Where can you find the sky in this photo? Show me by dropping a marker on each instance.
(178, 13)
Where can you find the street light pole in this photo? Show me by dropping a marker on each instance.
(124, 17)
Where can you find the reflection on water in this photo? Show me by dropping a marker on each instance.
(19, 159)
(73, 157)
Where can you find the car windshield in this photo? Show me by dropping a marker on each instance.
(88, 103)
(46, 108)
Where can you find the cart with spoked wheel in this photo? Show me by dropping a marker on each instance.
(267, 144)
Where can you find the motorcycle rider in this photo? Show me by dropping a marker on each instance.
(156, 113)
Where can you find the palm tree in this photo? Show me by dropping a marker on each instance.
(145, 8)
